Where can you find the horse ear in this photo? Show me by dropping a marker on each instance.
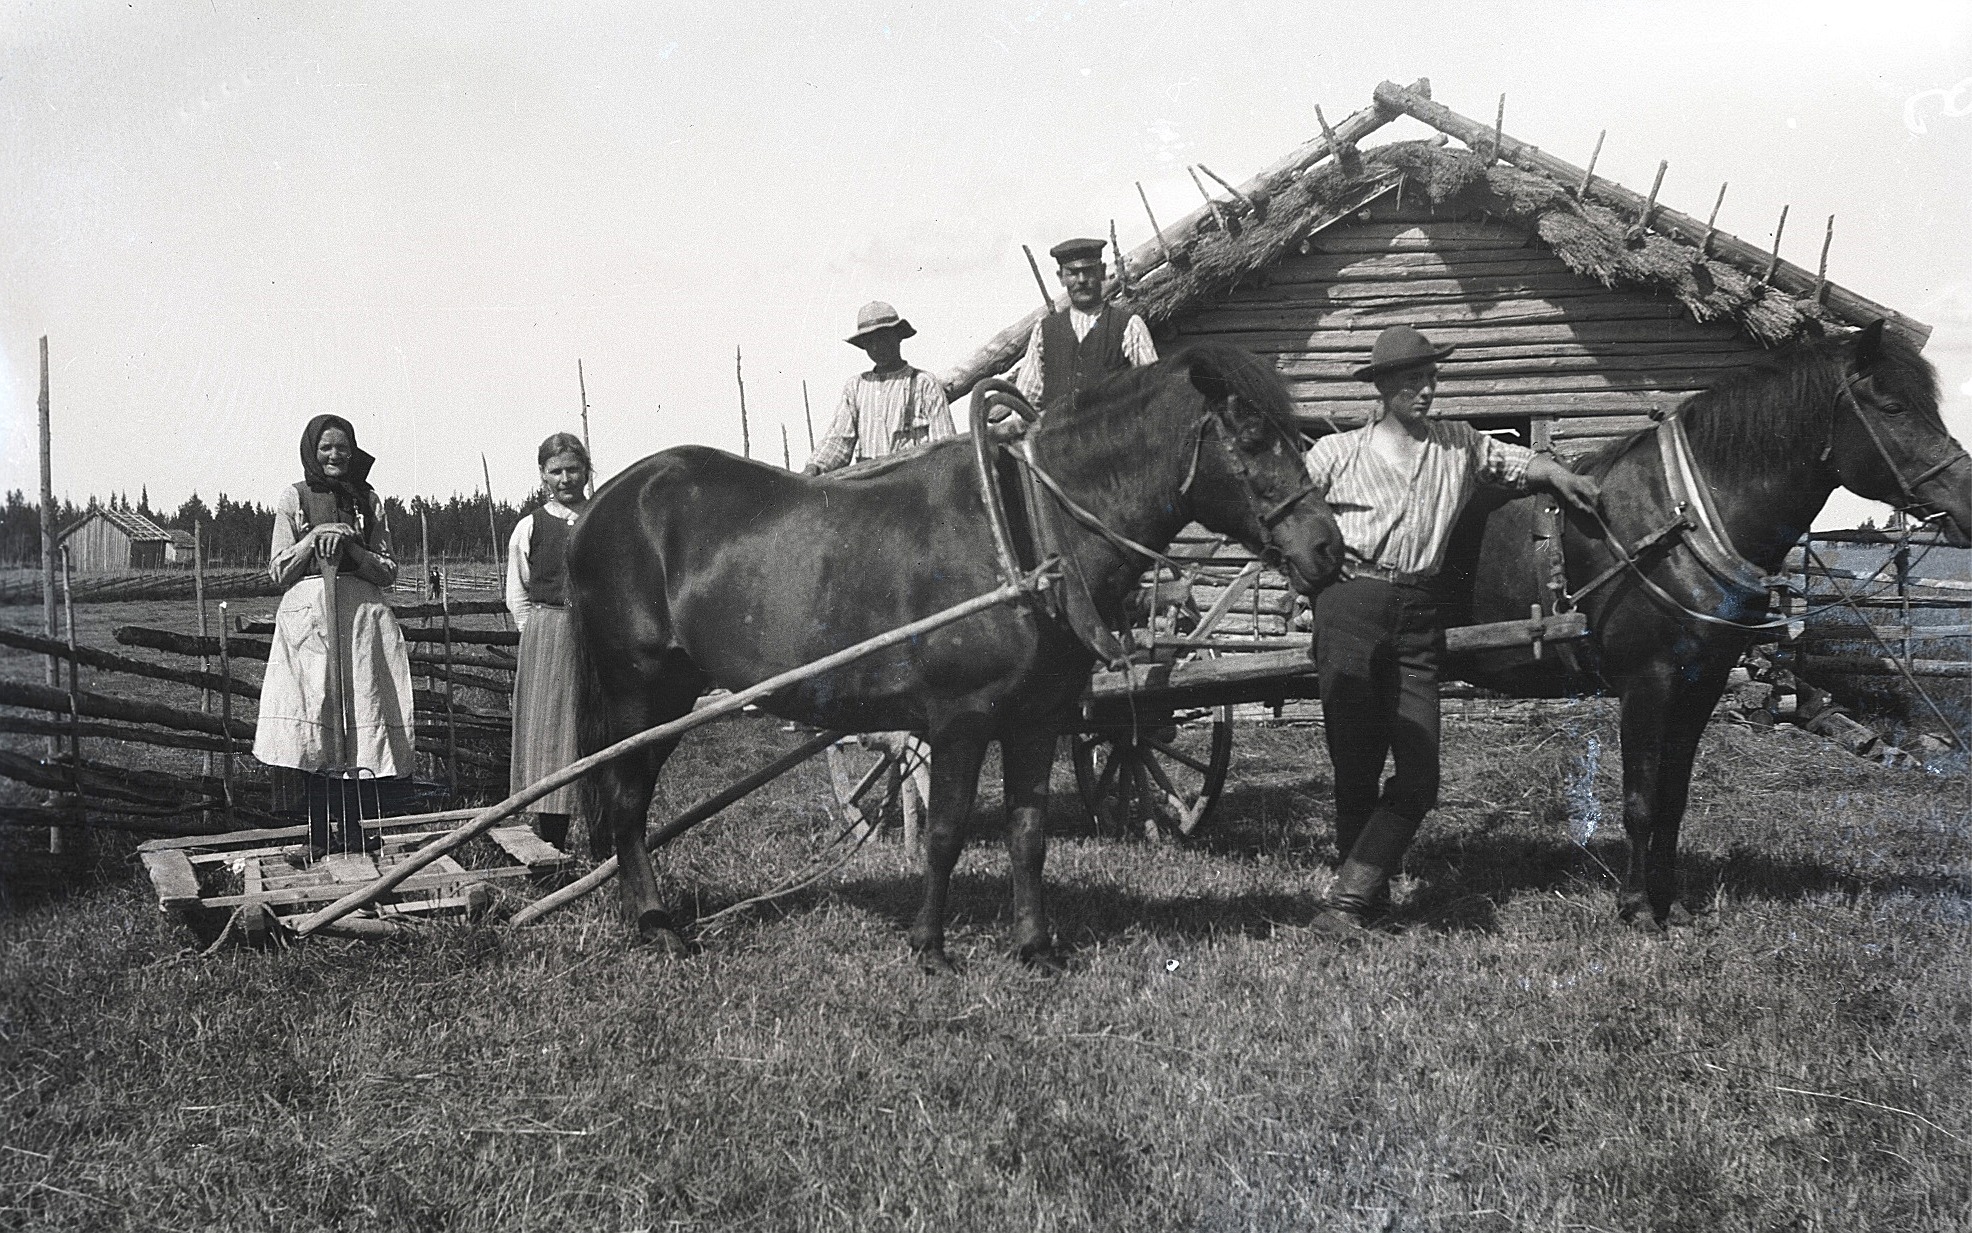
(1869, 347)
(1209, 381)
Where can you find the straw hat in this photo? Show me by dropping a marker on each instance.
(1400, 346)
(874, 316)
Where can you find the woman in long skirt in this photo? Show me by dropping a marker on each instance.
(545, 738)
(310, 721)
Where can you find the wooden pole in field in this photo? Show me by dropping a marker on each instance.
(57, 839)
(226, 711)
(198, 599)
(492, 529)
(746, 431)
(730, 704)
(582, 384)
(74, 687)
(451, 712)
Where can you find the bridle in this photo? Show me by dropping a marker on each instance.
(1913, 504)
(1269, 518)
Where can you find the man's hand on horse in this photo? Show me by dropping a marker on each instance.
(1580, 491)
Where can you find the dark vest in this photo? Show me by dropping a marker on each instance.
(547, 560)
(319, 509)
(1069, 366)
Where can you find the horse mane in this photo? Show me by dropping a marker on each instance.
(1767, 414)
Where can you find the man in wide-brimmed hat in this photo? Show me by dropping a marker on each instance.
(890, 407)
(1396, 485)
(1071, 350)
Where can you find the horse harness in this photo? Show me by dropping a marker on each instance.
(1038, 490)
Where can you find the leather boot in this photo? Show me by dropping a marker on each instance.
(1362, 886)
(1347, 832)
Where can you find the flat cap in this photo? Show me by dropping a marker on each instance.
(1077, 250)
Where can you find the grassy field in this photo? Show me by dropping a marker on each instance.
(1512, 1058)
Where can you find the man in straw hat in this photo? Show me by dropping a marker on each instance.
(1396, 486)
(1073, 349)
(891, 407)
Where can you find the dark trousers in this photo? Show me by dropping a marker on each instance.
(1377, 646)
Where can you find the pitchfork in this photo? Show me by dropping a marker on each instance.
(345, 805)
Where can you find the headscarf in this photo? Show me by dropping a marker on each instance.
(352, 492)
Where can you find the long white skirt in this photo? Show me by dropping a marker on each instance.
(297, 727)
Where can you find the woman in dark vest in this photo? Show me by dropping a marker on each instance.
(332, 516)
(544, 684)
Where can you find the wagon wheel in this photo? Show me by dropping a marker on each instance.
(865, 774)
(1162, 780)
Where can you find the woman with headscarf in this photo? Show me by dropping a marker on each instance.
(332, 516)
(545, 680)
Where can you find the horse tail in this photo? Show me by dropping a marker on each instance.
(592, 734)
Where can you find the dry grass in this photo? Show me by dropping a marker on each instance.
(1512, 1059)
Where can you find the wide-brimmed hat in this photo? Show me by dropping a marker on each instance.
(874, 316)
(1400, 346)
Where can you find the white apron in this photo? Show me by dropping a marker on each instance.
(296, 727)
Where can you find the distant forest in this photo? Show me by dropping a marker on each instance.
(240, 532)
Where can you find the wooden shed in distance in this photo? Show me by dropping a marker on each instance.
(1579, 306)
(114, 541)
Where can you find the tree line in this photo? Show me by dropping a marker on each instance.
(241, 532)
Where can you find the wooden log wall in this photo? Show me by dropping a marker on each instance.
(1537, 342)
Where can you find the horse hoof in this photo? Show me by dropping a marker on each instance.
(654, 929)
(1043, 961)
(932, 961)
(1679, 917)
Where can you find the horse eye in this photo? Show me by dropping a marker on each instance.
(1892, 408)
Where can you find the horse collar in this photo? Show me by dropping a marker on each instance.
(1691, 500)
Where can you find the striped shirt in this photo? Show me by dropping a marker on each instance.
(881, 413)
(1137, 348)
(1400, 521)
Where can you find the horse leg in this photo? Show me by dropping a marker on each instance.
(1645, 703)
(956, 754)
(623, 789)
(1690, 710)
(1027, 761)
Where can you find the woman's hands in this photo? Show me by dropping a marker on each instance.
(328, 540)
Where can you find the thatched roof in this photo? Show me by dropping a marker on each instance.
(1600, 233)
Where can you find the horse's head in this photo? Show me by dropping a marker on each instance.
(1887, 441)
(1247, 479)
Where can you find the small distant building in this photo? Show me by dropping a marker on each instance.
(109, 541)
(181, 549)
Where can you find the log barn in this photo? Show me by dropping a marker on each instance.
(1579, 306)
(108, 541)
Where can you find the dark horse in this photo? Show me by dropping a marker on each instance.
(695, 569)
(1771, 444)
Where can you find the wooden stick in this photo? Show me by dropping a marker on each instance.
(582, 384)
(1583, 190)
(1154, 228)
(1218, 214)
(746, 430)
(1821, 274)
(424, 538)
(80, 802)
(1711, 224)
(1773, 263)
(104, 661)
(679, 825)
(1122, 264)
(1238, 196)
(226, 712)
(57, 839)
(808, 414)
(332, 633)
(787, 459)
(451, 719)
(1344, 151)
(575, 770)
(492, 528)
(1047, 301)
(198, 600)
(1650, 203)
(1499, 132)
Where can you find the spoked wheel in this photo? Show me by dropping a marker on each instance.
(865, 774)
(1160, 781)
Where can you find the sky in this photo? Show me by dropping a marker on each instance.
(229, 217)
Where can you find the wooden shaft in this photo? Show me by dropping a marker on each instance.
(451, 719)
(1711, 224)
(1650, 203)
(787, 458)
(52, 668)
(74, 686)
(54, 700)
(651, 736)
(1218, 215)
(1238, 196)
(1845, 304)
(582, 384)
(492, 529)
(1499, 130)
(332, 633)
(746, 430)
(679, 825)
(198, 601)
(1122, 265)
(1773, 262)
(1047, 301)
(1821, 273)
(808, 415)
(226, 708)
(424, 539)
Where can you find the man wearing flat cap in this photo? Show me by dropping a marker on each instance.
(1396, 486)
(891, 407)
(1072, 350)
